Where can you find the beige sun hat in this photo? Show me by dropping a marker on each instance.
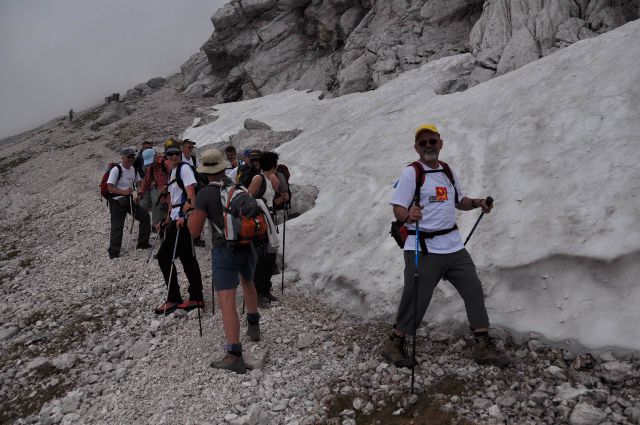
(213, 161)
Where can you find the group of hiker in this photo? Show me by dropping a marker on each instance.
(240, 199)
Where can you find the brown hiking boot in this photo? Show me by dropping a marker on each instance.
(232, 363)
(395, 351)
(486, 353)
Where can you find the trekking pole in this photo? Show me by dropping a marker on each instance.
(285, 214)
(146, 265)
(132, 221)
(489, 203)
(193, 253)
(415, 306)
(173, 265)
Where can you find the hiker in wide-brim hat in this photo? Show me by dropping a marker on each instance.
(229, 260)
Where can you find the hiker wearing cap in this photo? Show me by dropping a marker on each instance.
(441, 253)
(153, 185)
(228, 262)
(138, 164)
(265, 186)
(234, 163)
(181, 187)
(120, 184)
(187, 153)
(250, 169)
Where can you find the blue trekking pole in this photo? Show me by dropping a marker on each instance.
(415, 304)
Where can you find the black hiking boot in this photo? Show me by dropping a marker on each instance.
(264, 302)
(272, 297)
(395, 351)
(230, 362)
(143, 245)
(485, 352)
(253, 332)
(199, 242)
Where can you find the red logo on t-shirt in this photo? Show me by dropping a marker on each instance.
(441, 194)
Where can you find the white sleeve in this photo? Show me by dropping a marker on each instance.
(113, 176)
(188, 178)
(458, 185)
(405, 188)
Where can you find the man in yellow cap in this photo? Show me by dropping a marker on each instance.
(427, 196)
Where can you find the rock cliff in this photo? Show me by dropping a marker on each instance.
(345, 46)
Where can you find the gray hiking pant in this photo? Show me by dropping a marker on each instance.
(119, 209)
(150, 202)
(459, 269)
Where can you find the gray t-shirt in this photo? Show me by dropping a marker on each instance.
(208, 200)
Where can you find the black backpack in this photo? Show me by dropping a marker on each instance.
(246, 173)
(201, 180)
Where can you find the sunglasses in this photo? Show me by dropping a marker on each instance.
(173, 153)
(131, 156)
(430, 142)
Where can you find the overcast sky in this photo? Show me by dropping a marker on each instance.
(59, 54)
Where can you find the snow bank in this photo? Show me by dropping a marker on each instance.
(555, 143)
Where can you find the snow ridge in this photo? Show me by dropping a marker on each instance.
(555, 142)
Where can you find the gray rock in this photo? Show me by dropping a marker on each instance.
(112, 113)
(305, 340)
(355, 77)
(567, 392)
(494, 412)
(615, 371)
(142, 88)
(156, 82)
(138, 350)
(250, 124)
(256, 359)
(258, 415)
(8, 332)
(585, 414)
(482, 403)
(506, 400)
(65, 361)
(633, 415)
(131, 94)
(37, 363)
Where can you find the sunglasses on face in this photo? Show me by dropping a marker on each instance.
(131, 156)
(173, 153)
(430, 142)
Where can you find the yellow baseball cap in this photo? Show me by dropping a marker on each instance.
(426, 127)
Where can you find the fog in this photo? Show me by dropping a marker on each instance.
(62, 54)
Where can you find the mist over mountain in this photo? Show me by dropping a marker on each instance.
(58, 55)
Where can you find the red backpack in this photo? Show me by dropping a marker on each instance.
(283, 174)
(104, 189)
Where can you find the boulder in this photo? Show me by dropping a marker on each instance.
(132, 94)
(112, 113)
(585, 414)
(8, 332)
(138, 350)
(142, 88)
(156, 82)
(355, 77)
(250, 124)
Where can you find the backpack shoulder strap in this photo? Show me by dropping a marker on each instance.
(449, 173)
(178, 179)
(420, 176)
(119, 167)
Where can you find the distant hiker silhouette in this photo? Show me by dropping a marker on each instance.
(71, 114)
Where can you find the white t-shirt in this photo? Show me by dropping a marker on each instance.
(177, 195)
(437, 199)
(128, 177)
(195, 162)
(232, 173)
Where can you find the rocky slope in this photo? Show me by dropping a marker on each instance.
(344, 46)
(79, 344)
